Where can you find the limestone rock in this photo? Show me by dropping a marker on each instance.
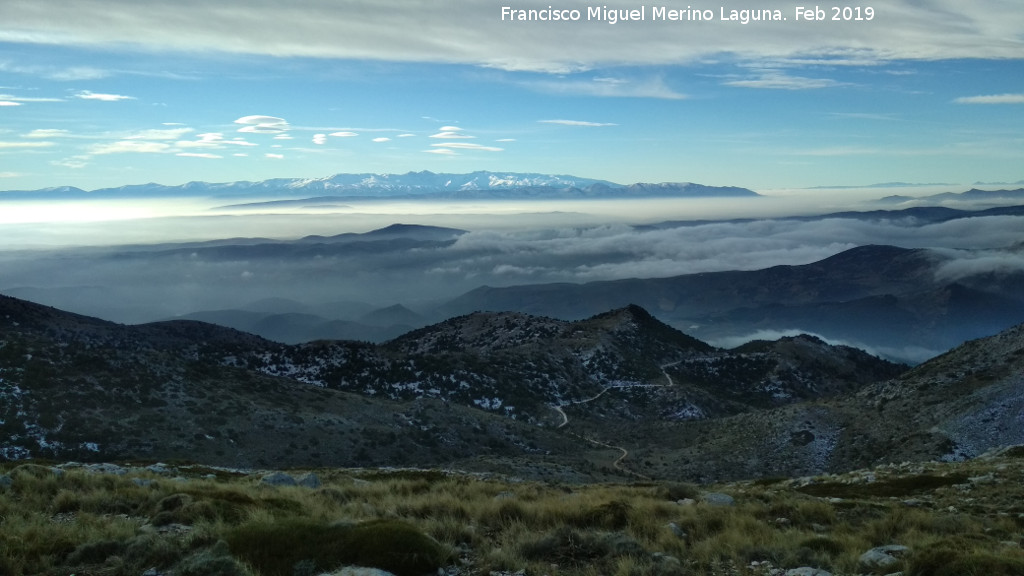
(718, 499)
(279, 479)
(807, 571)
(883, 556)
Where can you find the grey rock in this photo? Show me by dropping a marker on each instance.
(159, 468)
(6, 481)
(106, 468)
(686, 502)
(358, 571)
(309, 480)
(666, 559)
(883, 556)
(279, 479)
(807, 571)
(718, 499)
(679, 532)
(142, 482)
(984, 479)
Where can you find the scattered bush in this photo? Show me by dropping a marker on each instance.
(392, 545)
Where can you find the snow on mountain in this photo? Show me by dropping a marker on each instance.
(418, 184)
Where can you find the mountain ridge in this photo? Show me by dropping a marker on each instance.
(424, 184)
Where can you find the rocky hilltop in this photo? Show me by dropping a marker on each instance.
(617, 394)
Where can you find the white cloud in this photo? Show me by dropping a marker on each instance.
(275, 156)
(471, 32)
(9, 175)
(406, 135)
(262, 124)
(450, 128)
(25, 144)
(607, 88)
(47, 133)
(73, 163)
(159, 134)
(451, 134)
(130, 146)
(505, 140)
(198, 155)
(14, 100)
(576, 123)
(468, 146)
(9, 103)
(382, 139)
(344, 134)
(992, 99)
(442, 151)
(88, 95)
(319, 139)
(777, 80)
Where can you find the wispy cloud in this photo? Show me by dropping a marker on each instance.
(451, 134)
(130, 146)
(25, 144)
(47, 133)
(577, 123)
(88, 95)
(198, 155)
(319, 139)
(159, 134)
(992, 99)
(468, 146)
(274, 156)
(9, 103)
(778, 80)
(402, 30)
(382, 139)
(606, 87)
(344, 134)
(14, 100)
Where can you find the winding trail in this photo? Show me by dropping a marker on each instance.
(617, 464)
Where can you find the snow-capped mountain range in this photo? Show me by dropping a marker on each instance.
(479, 184)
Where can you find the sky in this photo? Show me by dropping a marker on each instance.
(106, 93)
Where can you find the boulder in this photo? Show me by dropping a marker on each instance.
(279, 479)
(883, 556)
(358, 571)
(309, 480)
(807, 571)
(718, 499)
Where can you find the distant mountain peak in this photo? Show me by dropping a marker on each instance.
(480, 184)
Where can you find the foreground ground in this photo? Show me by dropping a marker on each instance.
(161, 519)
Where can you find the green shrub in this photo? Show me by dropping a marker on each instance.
(566, 545)
(94, 552)
(888, 487)
(680, 491)
(213, 561)
(943, 559)
(612, 515)
(392, 545)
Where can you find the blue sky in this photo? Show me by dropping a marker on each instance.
(106, 93)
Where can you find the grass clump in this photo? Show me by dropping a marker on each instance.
(889, 487)
(945, 558)
(574, 547)
(275, 549)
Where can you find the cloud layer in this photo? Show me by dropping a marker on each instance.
(472, 32)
